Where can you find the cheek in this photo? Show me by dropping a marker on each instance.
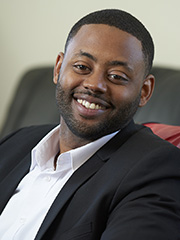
(68, 79)
(65, 80)
(120, 94)
(124, 95)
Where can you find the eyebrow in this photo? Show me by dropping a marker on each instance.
(86, 54)
(120, 63)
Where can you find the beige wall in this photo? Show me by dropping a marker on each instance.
(33, 31)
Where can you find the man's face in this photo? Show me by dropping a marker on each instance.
(100, 81)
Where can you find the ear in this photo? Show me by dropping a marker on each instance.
(57, 67)
(147, 90)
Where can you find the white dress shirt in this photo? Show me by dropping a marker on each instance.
(27, 208)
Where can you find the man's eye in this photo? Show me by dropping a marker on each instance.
(81, 68)
(116, 78)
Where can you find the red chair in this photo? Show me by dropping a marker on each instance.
(168, 132)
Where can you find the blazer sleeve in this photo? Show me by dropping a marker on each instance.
(150, 209)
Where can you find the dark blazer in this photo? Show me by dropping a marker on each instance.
(129, 189)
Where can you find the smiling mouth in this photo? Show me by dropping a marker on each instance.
(88, 105)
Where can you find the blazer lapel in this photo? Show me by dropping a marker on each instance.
(85, 172)
(119, 139)
(11, 181)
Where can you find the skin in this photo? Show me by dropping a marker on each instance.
(103, 69)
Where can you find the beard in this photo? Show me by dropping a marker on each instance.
(93, 132)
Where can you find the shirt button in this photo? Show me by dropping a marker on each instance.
(22, 220)
(48, 178)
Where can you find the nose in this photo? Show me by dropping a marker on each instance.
(95, 82)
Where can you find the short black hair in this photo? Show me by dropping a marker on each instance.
(125, 22)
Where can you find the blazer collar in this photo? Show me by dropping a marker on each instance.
(111, 147)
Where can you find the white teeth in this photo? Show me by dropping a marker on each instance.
(92, 106)
(80, 101)
(89, 105)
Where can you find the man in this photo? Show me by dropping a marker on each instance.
(97, 175)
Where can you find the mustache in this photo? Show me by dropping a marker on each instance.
(89, 93)
(98, 97)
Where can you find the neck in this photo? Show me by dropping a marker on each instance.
(68, 140)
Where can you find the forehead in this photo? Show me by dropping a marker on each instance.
(106, 41)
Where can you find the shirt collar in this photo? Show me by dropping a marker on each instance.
(44, 152)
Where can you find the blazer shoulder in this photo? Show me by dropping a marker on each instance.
(36, 132)
(23, 140)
